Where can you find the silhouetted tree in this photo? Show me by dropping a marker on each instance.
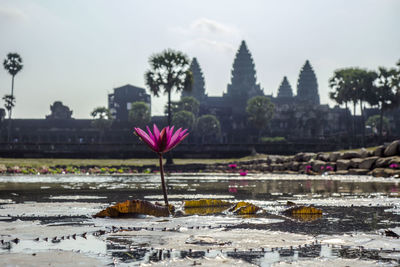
(13, 64)
(188, 103)
(183, 119)
(208, 127)
(139, 114)
(9, 102)
(386, 94)
(353, 85)
(102, 120)
(374, 122)
(169, 71)
(260, 111)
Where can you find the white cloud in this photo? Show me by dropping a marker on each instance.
(212, 27)
(206, 34)
(12, 15)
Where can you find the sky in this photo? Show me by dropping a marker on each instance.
(77, 51)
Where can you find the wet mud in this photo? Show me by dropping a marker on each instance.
(353, 208)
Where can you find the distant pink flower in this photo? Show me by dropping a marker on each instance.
(164, 141)
(232, 190)
(308, 168)
(232, 166)
(243, 172)
(393, 166)
(329, 168)
(322, 168)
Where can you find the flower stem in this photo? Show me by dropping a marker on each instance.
(164, 188)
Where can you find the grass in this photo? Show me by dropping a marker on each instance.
(50, 162)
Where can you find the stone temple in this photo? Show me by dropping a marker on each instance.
(299, 115)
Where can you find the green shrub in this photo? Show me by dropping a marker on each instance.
(275, 139)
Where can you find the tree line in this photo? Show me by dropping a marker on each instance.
(361, 87)
(170, 71)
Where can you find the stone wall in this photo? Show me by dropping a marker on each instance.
(383, 161)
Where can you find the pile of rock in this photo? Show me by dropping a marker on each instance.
(382, 161)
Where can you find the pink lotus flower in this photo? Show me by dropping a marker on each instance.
(393, 166)
(161, 142)
(164, 141)
(322, 168)
(243, 172)
(329, 168)
(232, 190)
(232, 166)
(308, 168)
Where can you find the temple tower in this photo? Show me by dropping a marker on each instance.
(285, 90)
(198, 88)
(307, 86)
(244, 80)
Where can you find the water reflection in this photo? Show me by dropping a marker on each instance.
(40, 188)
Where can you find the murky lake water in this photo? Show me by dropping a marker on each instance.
(356, 212)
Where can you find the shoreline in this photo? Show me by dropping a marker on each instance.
(383, 161)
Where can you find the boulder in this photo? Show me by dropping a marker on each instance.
(323, 156)
(384, 172)
(355, 162)
(294, 166)
(367, 163)
(304, 157)
(379, 151)
(391, 149)
(394, 160)
(358, 171)
(385, 162)
(334, 156)
(392, 172)
(277, 167)
(317, 164)
(365, 153)
(342, 164)
(302, 166)
(288, 159)
(266, 168)
(377, 172)
(350, 155)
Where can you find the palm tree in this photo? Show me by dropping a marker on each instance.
(386, 94)
(341, 85)
(169, 71)
(353, 85)
(13, 64)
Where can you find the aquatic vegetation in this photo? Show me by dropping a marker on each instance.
(394, 166)
(329, 168)
(232, 166)
(243, 208)
(134, 207)
(162, 142)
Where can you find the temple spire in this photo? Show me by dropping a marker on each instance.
(198, 88)
(307, 85)
(285, 90)
(244, 79)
